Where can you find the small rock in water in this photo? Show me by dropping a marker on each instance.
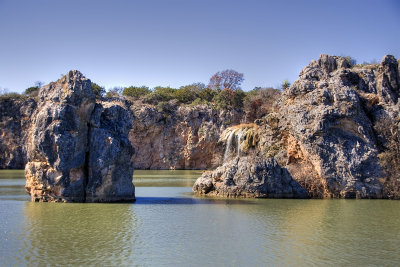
(249, 177)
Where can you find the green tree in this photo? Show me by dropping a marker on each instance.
(228, 98)
(114, 92)
(98, 90)
(285, 84)
(206, 94)
(160, 94)
(33, 90)
(164, 93)
(135, 91)
(185, 95)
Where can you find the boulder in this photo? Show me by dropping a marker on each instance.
(249, 177)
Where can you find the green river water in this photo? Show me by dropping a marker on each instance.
(168, 226)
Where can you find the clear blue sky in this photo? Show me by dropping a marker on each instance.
(178, 42)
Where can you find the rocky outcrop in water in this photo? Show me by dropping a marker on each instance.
(251, 178)
(66, 160)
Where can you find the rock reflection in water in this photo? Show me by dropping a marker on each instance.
(70, 234)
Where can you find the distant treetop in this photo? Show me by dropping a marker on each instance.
(227, 79)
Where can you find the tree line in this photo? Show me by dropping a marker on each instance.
(222, 92)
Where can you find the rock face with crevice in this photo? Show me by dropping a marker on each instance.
(110, 152)
(329, 114)
(64, 151)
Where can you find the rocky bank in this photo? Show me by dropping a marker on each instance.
(336, 133)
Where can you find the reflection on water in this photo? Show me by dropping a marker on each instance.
(98, 234)
(165, 178)
(169, 226)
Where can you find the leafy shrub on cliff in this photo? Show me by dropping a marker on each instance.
(12, 95)
(206, 94)
(285, 84)
(167, 107)
(185, 94)
(32, 91)
(114, 92)
(98, 90)
(160, 94)
(228, 99)
(260, 102)
(136, 92)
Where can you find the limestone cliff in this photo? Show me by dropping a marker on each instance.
(179, 137)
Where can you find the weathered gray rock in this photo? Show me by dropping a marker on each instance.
(110, 152)
(249, 177)
(327, 114)
(57, 145)
(78, 152)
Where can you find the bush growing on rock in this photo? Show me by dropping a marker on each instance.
(114, 92)
(185, 95)
(12, 95)
(32, 91)
(285, 84)
(228, 99)
(206, 94)
(136, 92)
(98, 90)
(260, 102)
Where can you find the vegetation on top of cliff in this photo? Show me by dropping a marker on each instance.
(222, 92)
(98, 90)
(6, 95)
